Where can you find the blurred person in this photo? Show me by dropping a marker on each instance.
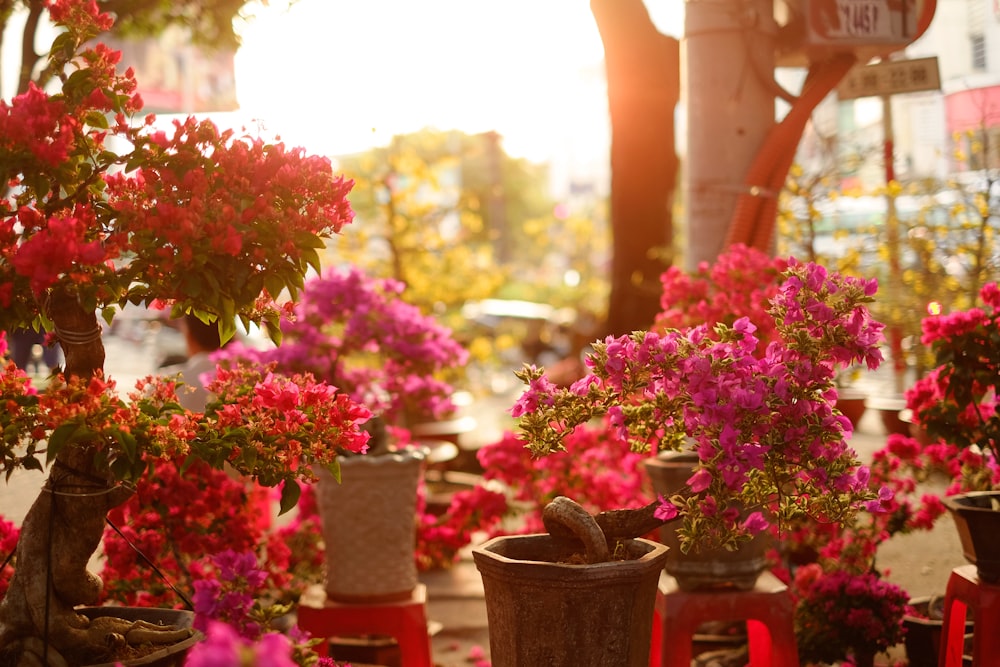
(21, 344)
(201, 340)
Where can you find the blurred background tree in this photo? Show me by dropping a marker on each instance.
(479, 241)
(947, 236)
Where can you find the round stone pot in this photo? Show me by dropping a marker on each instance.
(704, 569)
(171, 655)
(544, 609)
(977, 518)
(369, 526)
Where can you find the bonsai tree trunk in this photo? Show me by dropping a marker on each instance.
(61, 532)
(565, 519)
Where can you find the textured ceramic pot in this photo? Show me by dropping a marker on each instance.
(544, 607)
(705, 569)
(369, 526)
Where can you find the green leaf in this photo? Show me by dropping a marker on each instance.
(227, 325)
(97, 119)
(60, 437)
(274, 333)
(127, 443)
(31, 463)
(63, 43)
(334, 470)
(249, 458)
(312, 258)
(273, 284)
(290, 492)
(120, 468)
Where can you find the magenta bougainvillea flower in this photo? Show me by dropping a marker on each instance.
(764, 425)
(359, 334)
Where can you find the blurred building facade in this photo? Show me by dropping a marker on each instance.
(176, 76)
(930, 126)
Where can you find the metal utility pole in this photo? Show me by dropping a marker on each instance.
(727, 66)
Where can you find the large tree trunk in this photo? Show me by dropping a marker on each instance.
(62, 530)
(643, 74)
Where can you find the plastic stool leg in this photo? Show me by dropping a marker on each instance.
(784, 649)
(953, 634)
(656, 641)
(414, 642)
(759, 641)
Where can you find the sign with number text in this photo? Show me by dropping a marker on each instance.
(861, 21)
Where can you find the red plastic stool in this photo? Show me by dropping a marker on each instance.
(767, 609)
(965, 590)
(405, 621)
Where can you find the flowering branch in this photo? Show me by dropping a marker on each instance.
(764, 427)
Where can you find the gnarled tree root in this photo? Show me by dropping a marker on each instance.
(615, 524)
(101, 639)
(563, 514)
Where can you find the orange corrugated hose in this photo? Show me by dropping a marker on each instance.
(753, 219)
(767, 172)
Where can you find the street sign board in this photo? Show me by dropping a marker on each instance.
(861, 22)
(891, 77)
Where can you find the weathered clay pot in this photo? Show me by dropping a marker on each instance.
(369, 528)
(889, 409)
(977, 518)
(172, 655)
(544, 610)
(851, 403)
(704, 569)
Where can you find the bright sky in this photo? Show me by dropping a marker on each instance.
(341, 75)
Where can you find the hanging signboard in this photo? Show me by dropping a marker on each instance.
(860, 22)
(890, 77)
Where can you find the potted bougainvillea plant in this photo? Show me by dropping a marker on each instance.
(204, 221)
(956, 405)
(842, 615)
(768, 437)
(358, 333)
(764, 427)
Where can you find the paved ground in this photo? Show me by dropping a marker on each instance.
(920, 563)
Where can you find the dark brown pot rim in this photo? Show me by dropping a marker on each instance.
(973, 501)
(500, 553)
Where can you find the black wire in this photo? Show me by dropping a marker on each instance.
(9, 558)
(184, 598)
